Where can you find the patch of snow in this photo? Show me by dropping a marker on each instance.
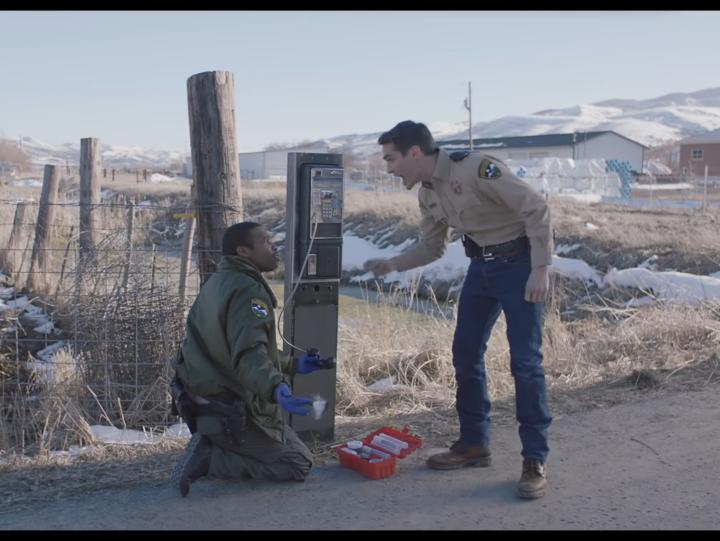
(382, 386)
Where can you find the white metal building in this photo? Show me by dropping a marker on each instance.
(607, 145)
(272, 163)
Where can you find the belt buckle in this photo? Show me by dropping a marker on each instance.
(487, 257)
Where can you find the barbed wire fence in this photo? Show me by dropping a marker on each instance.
(104, 325)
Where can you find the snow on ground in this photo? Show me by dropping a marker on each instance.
(28, 182)
(582, 197)
(667, 285)
(576, 269)
(562, 249)
(451, 267)
(663, 187)
(111, 434)
(157, 177)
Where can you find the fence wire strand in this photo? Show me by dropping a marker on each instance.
(108, 321)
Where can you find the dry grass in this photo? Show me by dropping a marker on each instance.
(596, 351)
(696, 193)
(416, 352)
(684, 240)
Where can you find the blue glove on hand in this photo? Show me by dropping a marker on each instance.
(308, 362)
(296, 406)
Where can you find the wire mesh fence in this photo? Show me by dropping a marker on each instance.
(106, 322)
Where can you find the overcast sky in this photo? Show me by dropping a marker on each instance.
(121, 76)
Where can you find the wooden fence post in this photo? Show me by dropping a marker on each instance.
(186, 258)
(15, 240)
(128, 247)
(64, 262)
(152, 266)
(218, 200)
(89, 194)
(45, 219)
(705, 190)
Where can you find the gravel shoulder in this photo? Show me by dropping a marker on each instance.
(647, 462)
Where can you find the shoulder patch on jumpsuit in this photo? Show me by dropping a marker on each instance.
(259, 308)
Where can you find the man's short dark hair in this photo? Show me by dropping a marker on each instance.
(238, 235)
(407, 134)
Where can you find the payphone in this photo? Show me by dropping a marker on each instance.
(313, 266)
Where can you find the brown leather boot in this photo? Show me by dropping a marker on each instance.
(459, 456)
(533, 481)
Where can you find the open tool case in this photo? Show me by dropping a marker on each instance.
(387, 463)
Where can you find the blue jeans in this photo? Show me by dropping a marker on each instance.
(489, 287)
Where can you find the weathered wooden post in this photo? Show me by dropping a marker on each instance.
(89, 194)
(186, 258)
(152, 266)
(218, 200)
(45, 219)
(15, 240)
(64, 262)
(128, 246)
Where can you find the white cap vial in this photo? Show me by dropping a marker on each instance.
(355, 444)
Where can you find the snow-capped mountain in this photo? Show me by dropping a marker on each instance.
(652, 122)
(112, 155)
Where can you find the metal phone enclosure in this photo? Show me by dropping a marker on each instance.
(315, 206)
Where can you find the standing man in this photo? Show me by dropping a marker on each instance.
(507, 236)
(232, 384)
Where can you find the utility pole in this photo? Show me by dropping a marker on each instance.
(468, 106)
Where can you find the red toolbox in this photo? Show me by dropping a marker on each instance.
(385, 461)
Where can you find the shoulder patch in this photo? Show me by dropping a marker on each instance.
(259, 308)
(489, 169)
(459, 155)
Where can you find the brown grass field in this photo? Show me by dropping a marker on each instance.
(597, 352)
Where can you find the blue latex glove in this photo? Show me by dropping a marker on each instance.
(296, 406)
(308, 362)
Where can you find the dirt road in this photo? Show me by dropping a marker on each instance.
(652, 464)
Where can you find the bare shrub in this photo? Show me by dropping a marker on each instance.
(125, 343)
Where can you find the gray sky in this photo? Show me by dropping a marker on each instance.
(121, 76)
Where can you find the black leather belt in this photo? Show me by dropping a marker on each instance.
(517, 246)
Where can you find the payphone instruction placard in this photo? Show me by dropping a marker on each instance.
(327, 194)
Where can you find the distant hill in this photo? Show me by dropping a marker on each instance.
(112, 155)
(652, 122)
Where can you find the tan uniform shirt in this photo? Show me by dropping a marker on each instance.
(480, 197)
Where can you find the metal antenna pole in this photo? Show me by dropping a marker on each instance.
(468, 106)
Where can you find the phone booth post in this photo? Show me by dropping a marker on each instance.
(313, 265)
